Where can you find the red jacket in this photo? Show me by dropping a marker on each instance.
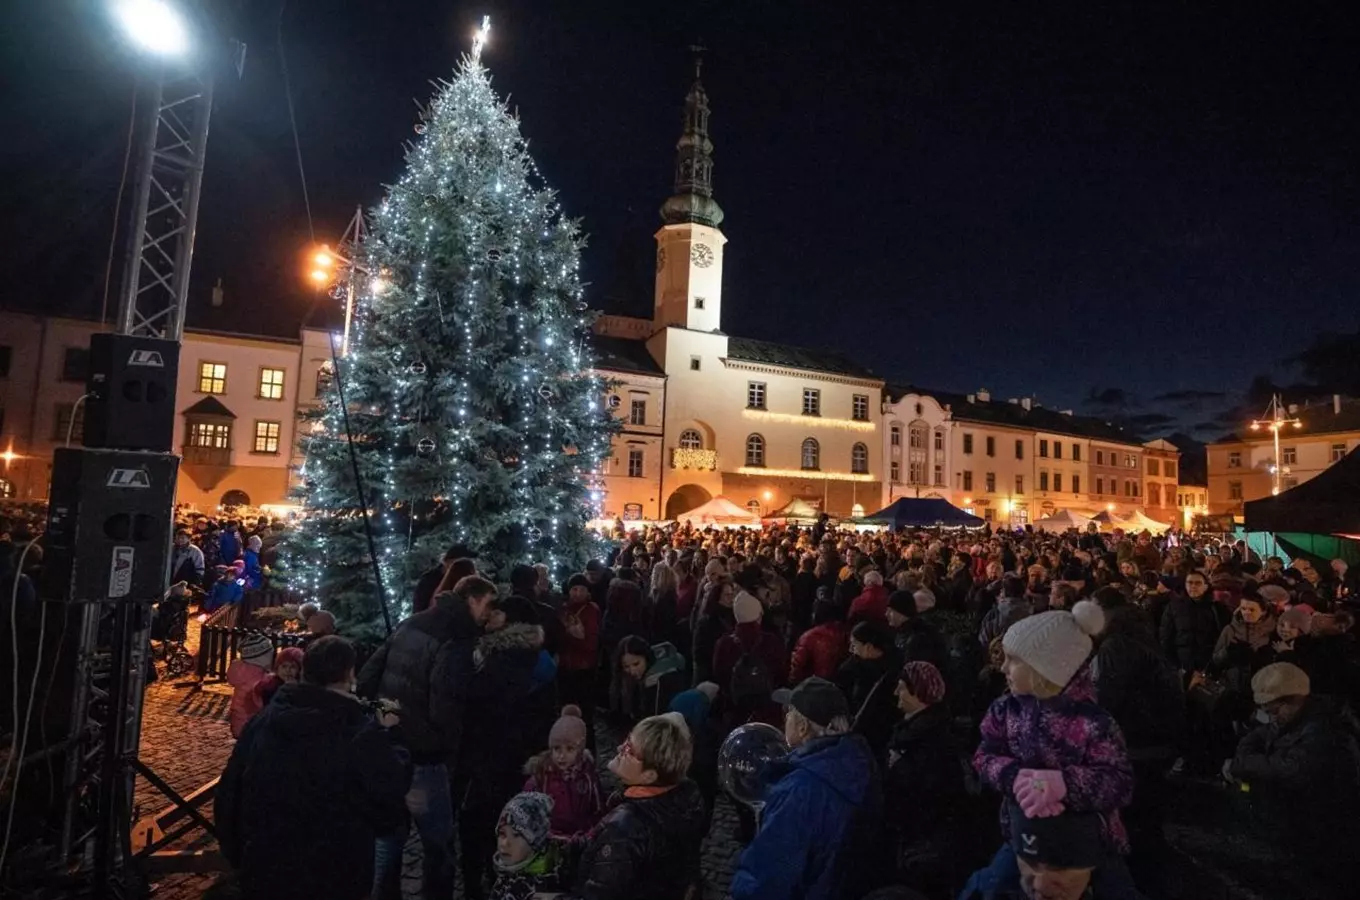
(750, 638)
(872, 604)
(819, 651)
(583, 653)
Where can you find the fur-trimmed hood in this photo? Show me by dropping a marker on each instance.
(519, 636)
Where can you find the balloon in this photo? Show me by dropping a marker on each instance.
(744, 757)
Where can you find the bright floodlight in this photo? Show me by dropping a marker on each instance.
(155, 25)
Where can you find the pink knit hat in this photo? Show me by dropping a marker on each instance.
(570, 728)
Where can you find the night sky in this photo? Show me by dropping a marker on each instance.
(1041, 198)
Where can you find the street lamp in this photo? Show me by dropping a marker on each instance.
(325, 261)
(156, 26)
(1275, 419)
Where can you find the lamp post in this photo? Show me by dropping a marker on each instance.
(326, 260)
(1276, 419)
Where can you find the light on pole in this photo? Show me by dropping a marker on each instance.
(156, 26)
(326, 261)
(1276, 419)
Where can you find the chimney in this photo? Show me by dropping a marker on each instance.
(1013, 402)
(1065, 412)
(972, 398)
(1336, 404)
(984, 395)
(1027, 403)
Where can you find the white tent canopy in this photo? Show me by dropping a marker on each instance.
(1141, 521)
(1108, 521)
(1062, 520)
(720, 512)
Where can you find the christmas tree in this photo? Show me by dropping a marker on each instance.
(473, 413)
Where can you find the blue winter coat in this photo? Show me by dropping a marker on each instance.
(824, 808)
(229, 545)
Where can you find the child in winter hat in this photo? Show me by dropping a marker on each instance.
(244, 674)
(1047, 743)
(527, 863)
(566, 773)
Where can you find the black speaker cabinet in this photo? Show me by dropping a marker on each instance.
(110, 519)
(131, 387)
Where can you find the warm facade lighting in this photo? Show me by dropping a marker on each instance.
(762, 415)
(807, 474)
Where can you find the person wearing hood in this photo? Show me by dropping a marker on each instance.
(1251, 629)
(748, 666)
(254, 573)
(495, 751)
(645, 677)
(822, 821)
(309, 786)
(229, 543)
(647, 844)
(1011, 607)
(872, 603)
(923, 783)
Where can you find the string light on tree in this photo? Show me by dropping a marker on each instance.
(472, 403)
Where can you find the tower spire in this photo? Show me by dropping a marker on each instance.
(693, 198)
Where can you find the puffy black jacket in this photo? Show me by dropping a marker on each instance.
(308, 788)
(498, 705)
(924, 788)
(919, 641)
(644, 847)
(1190, 628)
(426, 665)
(1137, 685)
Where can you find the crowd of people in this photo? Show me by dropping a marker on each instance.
(968, 715)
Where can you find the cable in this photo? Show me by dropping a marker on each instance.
(117, 209)
(28, 723)
(297, 145)
(14, 648)
(71, 425)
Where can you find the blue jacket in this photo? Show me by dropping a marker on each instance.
(824, 808)
(230, 547)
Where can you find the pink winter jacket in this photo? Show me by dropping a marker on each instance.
(245, 700)
(577, 800)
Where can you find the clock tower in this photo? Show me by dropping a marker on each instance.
(689, 246)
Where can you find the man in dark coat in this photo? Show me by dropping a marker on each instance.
(1191, 625)
(1303, 768)
(429, 581)
(916, 639)
(309, 787)
(427, 667)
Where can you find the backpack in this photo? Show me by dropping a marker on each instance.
(751, 683)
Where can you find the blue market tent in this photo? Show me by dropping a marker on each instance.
(909, 512)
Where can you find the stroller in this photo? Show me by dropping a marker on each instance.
(170, 630)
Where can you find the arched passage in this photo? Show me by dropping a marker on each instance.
(235, 498)
(685, 498)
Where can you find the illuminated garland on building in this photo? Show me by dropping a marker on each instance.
(468, 377)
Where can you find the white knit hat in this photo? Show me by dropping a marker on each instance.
(1055, 644)
(746, 608)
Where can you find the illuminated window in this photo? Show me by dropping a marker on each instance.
(755, 450)
(271, 384)
(210, 434)
(212, 378)
(266, 437)
(812, 402)
(859, 459)
(860, 408)
(812, 454)
(324, 378)
(6, 489)
(691, 439)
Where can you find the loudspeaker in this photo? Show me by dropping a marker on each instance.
(110, 518)
(131, 387)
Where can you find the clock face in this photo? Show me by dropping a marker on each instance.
(660, 258)
(701, 255)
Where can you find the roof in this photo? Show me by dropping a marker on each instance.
(1315, 418)
(623, 355)
(1327, 503)
(1036, 418)
(773, 354)
(210, 406)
